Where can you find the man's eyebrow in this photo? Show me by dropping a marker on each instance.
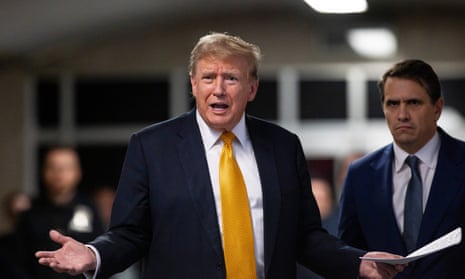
(207, 72)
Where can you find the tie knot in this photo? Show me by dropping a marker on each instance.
(227, 137)
(412, 161)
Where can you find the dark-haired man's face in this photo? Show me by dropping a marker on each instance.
(410, 113)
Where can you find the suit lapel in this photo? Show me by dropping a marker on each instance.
(446, 184)
(195, 167)
(266, 163)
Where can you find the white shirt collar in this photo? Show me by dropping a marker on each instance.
(210, 136)
(427, 154)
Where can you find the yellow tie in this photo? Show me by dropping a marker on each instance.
(238, 239)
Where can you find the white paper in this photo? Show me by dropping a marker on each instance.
(450, 239)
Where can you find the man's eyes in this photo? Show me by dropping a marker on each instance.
(227, 78)
(207, 79)
(392, 103)
(231, 78)
(413, 102)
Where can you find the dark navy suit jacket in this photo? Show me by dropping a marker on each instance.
(367, 216)
(165, 212)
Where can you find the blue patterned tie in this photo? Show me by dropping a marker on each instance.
(413, 205)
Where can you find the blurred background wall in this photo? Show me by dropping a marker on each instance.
(90, 73)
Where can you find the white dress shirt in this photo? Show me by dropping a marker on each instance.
(428, 159)
(245, 157)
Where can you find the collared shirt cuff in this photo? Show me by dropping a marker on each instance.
(90, 274)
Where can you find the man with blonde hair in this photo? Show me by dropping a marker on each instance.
(215, 193)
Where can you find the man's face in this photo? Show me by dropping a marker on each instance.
(410, 113)
(61, 171)
(222, 88)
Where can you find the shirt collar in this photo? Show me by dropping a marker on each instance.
(210, 136)
(428, 154)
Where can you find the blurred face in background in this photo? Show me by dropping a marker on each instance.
(222, 87)
(322, 192)
(104, 198)
(62, 171)
(410, 113)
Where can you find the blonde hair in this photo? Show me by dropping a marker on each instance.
(223, 45)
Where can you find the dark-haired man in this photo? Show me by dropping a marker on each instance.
(412, 191)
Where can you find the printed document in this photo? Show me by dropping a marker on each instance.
(448, 240)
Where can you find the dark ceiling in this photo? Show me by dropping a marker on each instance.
(28, 25)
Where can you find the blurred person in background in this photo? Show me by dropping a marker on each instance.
(14, 204)
(342, 172)
(59, 207)
(410, 192)
(324, 196)
(104, 197)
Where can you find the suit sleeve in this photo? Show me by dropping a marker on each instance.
(320, 251)
(349, 225)
(129, 235)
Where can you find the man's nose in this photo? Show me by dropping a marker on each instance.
(219, 89)
(403, 114)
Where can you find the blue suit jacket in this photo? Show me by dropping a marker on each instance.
(367, 216)
(165, 212)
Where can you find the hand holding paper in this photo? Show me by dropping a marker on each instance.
(450, 239)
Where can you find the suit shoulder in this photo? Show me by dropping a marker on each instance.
(454, 148)
(374, 157)
(268, 127)
(451, 140)
(164, 127)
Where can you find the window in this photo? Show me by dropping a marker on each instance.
(265, 104)
(453, 93)
(323, 100)
(47, 105)
(375, 108)
(116, 101)
(101, 164)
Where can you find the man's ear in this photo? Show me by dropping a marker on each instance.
(438, 107)
(253, 90)
(193, 85)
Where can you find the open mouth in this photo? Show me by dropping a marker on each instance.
(219, 106)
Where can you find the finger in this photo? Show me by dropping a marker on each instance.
(400, 267)
(387, 270)
(45, 254)
(58, 237)
(46, 261)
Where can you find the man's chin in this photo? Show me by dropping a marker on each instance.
(404, 136)
(220, 122)
(405, 141)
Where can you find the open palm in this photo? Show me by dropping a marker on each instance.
(73, 257)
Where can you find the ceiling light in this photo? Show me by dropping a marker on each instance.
(338, 6)
(373, 42)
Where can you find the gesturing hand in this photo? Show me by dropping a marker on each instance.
(373, 270)
(73, 257)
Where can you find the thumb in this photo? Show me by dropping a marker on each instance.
(58, 237)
